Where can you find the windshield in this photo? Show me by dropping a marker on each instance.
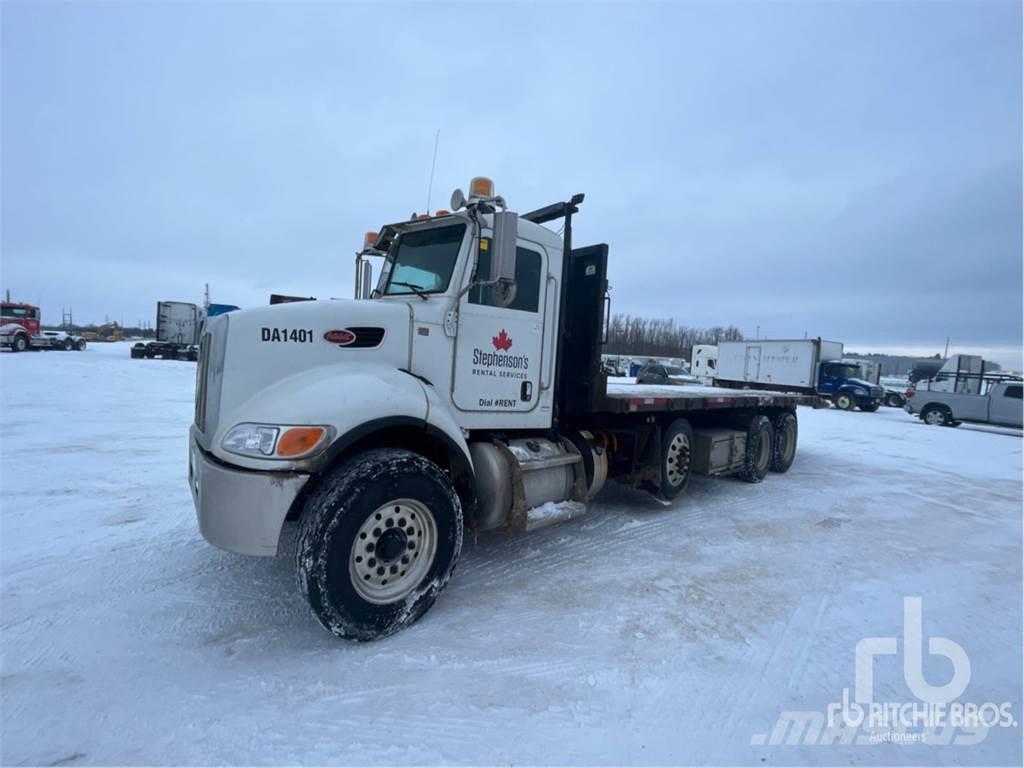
(423, 261)
(843, 371)
(673, 371)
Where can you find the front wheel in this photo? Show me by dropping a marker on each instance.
(20, 343)
(870, 408)
(844, 401)
(68, 345)
(377, 543)
(893, 400)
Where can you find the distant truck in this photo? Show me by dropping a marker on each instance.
(705, 360)
(178, 325)
(810, 366)
(1000, 403)
(966, 388)
(20, 331)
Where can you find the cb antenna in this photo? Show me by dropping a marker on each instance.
(433, 164)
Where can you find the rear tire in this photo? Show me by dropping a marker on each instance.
(760, 442)
(80, 346)
(893, 400)
(936, 416)
(784, 427)
(676, 459)
(844, 401)
(362, 510)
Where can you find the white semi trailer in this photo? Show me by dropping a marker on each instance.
(177, 333)
(465, 392)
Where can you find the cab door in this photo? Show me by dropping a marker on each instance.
(1005, 404)
(498, 350)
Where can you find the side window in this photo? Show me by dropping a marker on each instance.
(1014, 391)
(528, 281)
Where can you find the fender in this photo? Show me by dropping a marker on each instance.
(342, 397)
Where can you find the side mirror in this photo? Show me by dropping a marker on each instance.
(503, 257)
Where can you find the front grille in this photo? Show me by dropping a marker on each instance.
(366, 336)
(202, 373)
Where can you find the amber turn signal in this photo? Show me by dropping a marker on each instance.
(297, 441)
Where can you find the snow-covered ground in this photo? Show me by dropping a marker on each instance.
(637, 634)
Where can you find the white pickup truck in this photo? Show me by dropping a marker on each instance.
(1002, 404)
(464, 391)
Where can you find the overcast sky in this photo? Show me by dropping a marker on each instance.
(849, 170)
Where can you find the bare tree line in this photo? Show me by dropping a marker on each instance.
(658, 337)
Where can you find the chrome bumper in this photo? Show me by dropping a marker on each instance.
(240, 510)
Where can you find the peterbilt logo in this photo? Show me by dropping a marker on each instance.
(340, 336)
(502, 341)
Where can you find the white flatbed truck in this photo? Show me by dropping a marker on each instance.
(464, 392)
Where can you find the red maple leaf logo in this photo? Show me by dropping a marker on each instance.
(502, 340)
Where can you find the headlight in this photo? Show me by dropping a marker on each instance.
(266, 441)
(251, 440)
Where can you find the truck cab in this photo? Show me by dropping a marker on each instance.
(20, 330)
(841, 382)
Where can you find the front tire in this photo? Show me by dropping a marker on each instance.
(893, 400)
(844, 401)
(361, 539)
(760, 442)
(20, 343)
(80, 345)
(871, 408)
(68, 345)
(676, 459)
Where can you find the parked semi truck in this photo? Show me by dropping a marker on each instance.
(812, 366)
(177, 333)
(20, 330)
(464, 391)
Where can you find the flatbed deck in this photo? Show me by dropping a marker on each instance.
(634, 398)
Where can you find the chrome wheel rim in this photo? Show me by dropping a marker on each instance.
(677, 459)
(393, 551)
(934, 418)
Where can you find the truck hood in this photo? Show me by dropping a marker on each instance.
(246, 352)
(862, 383)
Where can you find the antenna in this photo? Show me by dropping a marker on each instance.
(433, 164)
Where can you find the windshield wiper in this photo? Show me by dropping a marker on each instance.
(417, 289)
